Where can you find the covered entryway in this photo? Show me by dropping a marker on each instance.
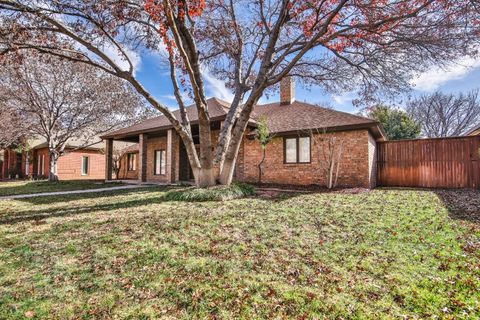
(155, 158)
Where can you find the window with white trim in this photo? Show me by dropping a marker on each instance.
(160, 167)
(41, 165)
(27, 163)
(132, 161)
(297, 150)
(85, 161)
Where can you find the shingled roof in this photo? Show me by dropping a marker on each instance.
(295, 117)
(216, 107)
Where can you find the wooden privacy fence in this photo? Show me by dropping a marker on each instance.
(429, 163)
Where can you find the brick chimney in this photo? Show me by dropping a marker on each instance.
(287, 90)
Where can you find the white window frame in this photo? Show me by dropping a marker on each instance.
(297, 150)
(160, 162)
(41, 165)
(27, 163)
(134, 162)
(83, 165)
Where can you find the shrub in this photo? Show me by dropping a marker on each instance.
(217, 193)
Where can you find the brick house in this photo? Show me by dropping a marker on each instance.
(87, 163)
(294, 156)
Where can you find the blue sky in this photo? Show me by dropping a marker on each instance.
(463, 75)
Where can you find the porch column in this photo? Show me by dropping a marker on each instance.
(142, 157)
(172, 158)
(108, 159)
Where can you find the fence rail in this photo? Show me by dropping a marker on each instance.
(429, 163)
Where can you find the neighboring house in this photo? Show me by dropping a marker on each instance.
(77, 163)
(292, 157)
(474, 132)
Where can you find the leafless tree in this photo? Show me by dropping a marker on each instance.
(62, 100)
(330, 154)
(252, 45)
(12, 126)
(446, 115)
(117, 161)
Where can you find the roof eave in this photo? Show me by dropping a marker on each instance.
(114, 136)
(374, 127)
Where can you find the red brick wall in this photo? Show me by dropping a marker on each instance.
(160, 143)
(69, 166)
(355, 168)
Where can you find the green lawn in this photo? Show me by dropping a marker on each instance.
(10, 188)
(133, 255)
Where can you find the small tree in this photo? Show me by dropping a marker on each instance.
(330, 155)
(263, 136)
(116, 161)
(61, 101)
(397, 123)
(446, 115)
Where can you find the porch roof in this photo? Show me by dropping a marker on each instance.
(217, 109)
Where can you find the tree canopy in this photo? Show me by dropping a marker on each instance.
(60, 101)
(397, 123)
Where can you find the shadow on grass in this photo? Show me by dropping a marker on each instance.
(36, 215)
(462, 204)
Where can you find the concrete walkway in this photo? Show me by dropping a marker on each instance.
(61, 193)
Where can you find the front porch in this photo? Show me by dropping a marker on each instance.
(160, 158)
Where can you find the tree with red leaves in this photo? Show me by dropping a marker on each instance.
(369, 45)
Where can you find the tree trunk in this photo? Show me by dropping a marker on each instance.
(260, 166)
(52, 175)
(206, 177)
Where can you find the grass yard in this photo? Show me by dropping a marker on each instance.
(133, 255)
(10, 188)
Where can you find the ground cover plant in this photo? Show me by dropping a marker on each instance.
(10, 188)
(217, 193)
(132, 254)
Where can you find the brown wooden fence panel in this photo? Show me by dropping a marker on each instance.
(429, 163)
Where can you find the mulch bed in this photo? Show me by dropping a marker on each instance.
(462, 203)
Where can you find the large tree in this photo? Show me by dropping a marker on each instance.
(251, 45)
(62, 101)
(396, 122)
(446, 115)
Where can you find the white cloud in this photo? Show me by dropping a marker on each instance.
(169, 97)
(436, 76)
(216, 87)
(114, 54)
(342, 99)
